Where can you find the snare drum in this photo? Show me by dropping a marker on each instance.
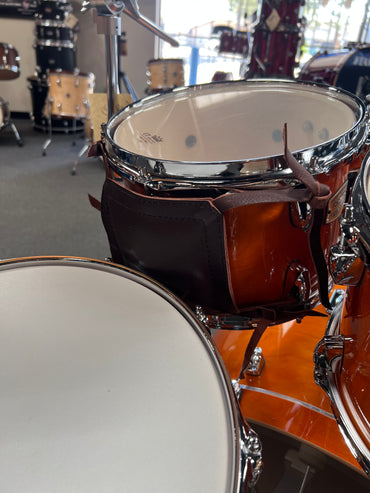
(9, 62)
(343, 356)
(165, 74)
(79, 338)
(182, 153)
(347, 69)
(284, 396)
(68, 93)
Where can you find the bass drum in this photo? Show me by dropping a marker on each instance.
(347, 69)
(79, 340)
(292, 413)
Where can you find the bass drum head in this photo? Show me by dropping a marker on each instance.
(108, 384)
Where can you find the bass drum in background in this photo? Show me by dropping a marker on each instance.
(347, 69)
(39, 89)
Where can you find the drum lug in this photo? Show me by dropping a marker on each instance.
(344, 256)
(251, 454)
(328, 357)
(256, 363)
(224, 321)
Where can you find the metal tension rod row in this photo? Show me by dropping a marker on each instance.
(107, 18)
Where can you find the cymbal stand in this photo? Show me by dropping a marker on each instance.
(106, 16)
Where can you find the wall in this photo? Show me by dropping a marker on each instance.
(90, 52)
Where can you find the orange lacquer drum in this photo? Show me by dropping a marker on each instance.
(182, 153)
(343, 355)
(284, 396)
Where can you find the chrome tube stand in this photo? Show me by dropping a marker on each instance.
(107, 17)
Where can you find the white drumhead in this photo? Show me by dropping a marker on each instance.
(106, 386)
(232, 121)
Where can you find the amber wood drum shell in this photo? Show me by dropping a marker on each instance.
(285, 397)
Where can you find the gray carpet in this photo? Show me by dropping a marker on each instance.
(44, 210)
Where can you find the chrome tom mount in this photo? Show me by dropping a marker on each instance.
(107, 18)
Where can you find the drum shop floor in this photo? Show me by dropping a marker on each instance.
(45, 209)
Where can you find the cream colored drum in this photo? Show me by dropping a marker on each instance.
(164, 74)
(109, 384)
(68, 93)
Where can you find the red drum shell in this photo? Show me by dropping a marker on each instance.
(9, 62)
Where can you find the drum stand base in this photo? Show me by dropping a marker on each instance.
(10, 124)
(85, 147)
(50, 131)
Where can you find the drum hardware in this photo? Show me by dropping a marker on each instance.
(329, 360)
(109, 23)
(221, 439)
(346, 252)
(5, 121)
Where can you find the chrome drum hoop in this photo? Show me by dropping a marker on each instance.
(55, 44)
(169, 174)
(328, 356)
(361, 204)
(246, 461)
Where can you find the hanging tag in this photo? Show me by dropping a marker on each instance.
(273, 20)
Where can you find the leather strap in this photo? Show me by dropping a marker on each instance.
(316, 194)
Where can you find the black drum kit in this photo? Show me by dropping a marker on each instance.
(59, 92)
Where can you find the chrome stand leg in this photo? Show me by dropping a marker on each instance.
(80, 154)
(48, 140)
(17, 136)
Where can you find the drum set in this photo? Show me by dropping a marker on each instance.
(238, 219)
(233, 196)
(59, 91)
